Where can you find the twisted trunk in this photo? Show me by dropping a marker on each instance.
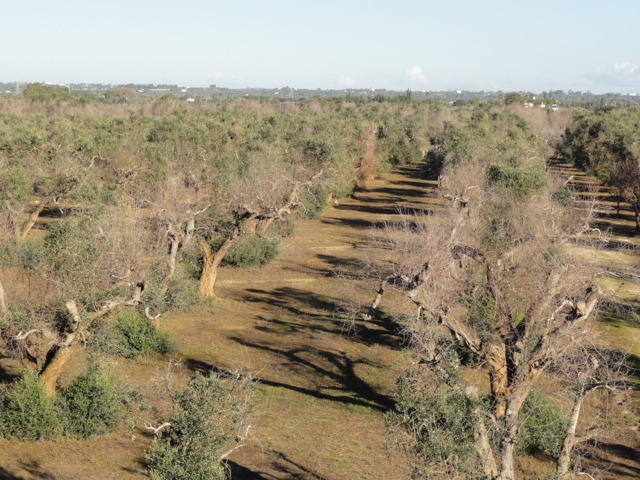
(59, 355)
(211, 262)
(570, 437)
(508, 441)
(496, 359)
(57, 359)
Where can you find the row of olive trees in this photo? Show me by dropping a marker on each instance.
(494, 282)
(139, 213)
(606, 143)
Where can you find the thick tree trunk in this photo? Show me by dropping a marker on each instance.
(212, 260)
(208, 278)
(173, 256)
(570, 437)
(31, 221)
(57, 359)
(211, 263)
(497, 361)
(59, 355)
(483, 448)
(508, 442)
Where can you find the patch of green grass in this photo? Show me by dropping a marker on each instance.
(339, 462)
(620, 288)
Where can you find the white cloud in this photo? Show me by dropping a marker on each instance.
(625, 67)
(621, 77)
(346, 81)
(416, 74)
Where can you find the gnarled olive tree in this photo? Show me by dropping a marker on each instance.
(493, 268)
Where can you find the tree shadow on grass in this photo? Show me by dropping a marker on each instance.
(282, 464)
(316, 313)
(358, 223)
(338, 372)
(615, 229)
(294, 300)
(240, 472)
(617, 459)
(33, 469)
(385, 210)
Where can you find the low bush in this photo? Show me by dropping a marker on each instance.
(542, 426)
(252, 251)
(91, 405)
(435, 425)
(27, 413)
(131, 334)
(207, 415)
(564, 196)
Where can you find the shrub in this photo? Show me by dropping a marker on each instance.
(437, 424)
(542, 426)
(517, 179)
(205, 416)
(253, 251)
(564, 196)
(91, 404)
(131, 334)
(139, 334)
(27, 413)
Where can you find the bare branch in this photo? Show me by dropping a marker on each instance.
(240, 442)
(24, 336)
(157, 429)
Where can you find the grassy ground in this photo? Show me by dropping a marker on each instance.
(322, 392)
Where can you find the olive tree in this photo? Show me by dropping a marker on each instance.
(492, 269)
(88, 267)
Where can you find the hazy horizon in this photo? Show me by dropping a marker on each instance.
(420, 45)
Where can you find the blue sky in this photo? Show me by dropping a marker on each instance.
(422, 45)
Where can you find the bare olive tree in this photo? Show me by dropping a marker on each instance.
(493, 269)
(271, 190)
(89, 267)
(584, 370)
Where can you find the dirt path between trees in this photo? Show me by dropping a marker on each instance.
(323, 393)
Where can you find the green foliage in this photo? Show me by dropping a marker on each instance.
(69, 249)
(252, 251)
(489, 137)
(595, 140)
(205, 417)
(519, 180)
(92, 404)
(129, 335)
(437, 424)
(27, 413)
(139, 335)
(543, 426)
(26, 254)
(564, 196)
(482, 313)
(43, 93)
(514, 97)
